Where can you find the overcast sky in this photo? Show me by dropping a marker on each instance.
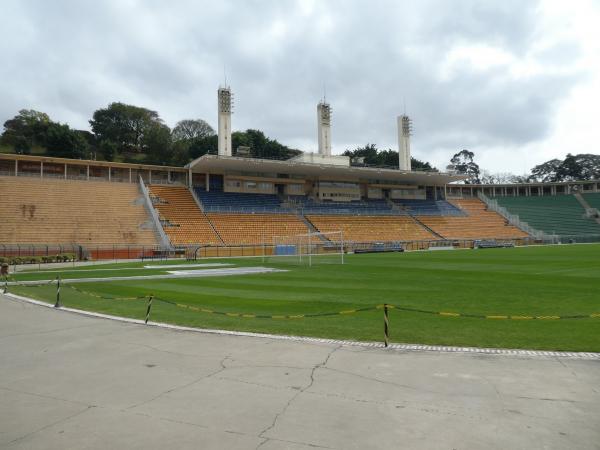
(517, 82)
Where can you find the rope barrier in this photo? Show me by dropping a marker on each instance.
(492, 317)
(91, 294)
(448, 314)
(386, 307)
(264, 316)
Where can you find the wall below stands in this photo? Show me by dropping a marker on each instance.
(72, 212)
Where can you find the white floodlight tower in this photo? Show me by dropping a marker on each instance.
(324, 128)
(404, 133)
(225, 106)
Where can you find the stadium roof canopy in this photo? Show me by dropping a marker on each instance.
(224, 164)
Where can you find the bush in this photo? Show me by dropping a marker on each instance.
(3, 260)
(66, 257)
(16, 260)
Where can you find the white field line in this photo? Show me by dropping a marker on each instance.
(377, 345)
(558, 271)
(184, 266)
(170, 266)
(191, 274)
(77, 271)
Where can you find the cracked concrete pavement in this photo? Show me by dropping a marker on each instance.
(68, 381)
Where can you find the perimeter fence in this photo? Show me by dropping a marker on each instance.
(35, 253)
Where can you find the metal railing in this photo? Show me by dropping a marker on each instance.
(86, 252)
(123, 252)
(164, 239)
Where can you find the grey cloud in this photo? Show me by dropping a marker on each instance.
(69, 58)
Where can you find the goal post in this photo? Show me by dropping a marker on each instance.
(309, 249)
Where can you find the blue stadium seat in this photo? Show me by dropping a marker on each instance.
(362, 207)
(218, 201)
(429, 207)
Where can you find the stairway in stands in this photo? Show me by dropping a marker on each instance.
(182, 220)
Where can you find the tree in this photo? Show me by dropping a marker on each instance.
(421, 165)
(108, 149)
(261, 146)
(464, 164)
(546, 172)
(180, 153)
(584, 166)
(590, 166)
(156, 144)
(369, 155)
(201, 147)
(124, 125)
(63, 142)
(569, 170)
(21, 145)
(501, 178)
(190, 130)
(26, 130)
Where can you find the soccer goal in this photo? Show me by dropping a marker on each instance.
(309, 249)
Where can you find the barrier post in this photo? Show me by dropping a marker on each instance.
(148, 309)
(57, 304)
(386, 326)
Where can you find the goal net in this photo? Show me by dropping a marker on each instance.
(309, 249)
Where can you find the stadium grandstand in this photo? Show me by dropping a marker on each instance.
(216, 201)
(227, 199)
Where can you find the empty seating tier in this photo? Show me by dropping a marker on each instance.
(372, 228)
(182, 220)
(218, 201)
(593, 199)
(40, 211)
(558, 214)
(239, 229)
(479, 224)
(429, 207)
(364, 207)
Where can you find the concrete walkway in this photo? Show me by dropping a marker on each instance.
(73, 382)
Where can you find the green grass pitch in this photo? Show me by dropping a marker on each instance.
(533, 281)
